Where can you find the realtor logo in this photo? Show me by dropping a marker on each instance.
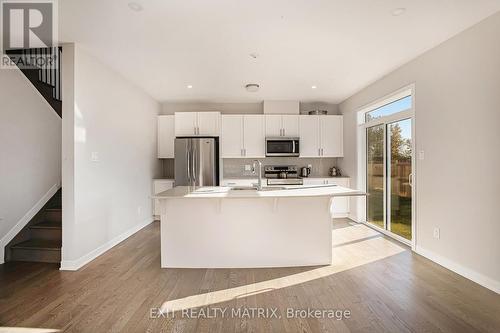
(28, 24)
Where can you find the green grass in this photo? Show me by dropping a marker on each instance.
(400, 215)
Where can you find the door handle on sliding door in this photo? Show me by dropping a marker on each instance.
(410, 179)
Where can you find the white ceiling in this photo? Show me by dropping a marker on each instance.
(340, 46)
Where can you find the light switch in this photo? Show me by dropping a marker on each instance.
(94, 156)
(421, 155)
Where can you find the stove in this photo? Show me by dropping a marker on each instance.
(282, 175)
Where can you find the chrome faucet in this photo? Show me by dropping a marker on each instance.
(259, 184)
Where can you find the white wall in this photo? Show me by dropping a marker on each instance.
(457, 105)
(104, 201)
(30, 150)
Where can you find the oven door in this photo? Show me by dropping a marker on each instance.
(282, 147)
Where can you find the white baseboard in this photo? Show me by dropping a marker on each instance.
(25, 219)
(459, 269)
(74, 265)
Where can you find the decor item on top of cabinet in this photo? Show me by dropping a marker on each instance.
(318, 113)
(335, 172)
(197, 124)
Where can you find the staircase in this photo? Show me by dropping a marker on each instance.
(41, 239)
(42, 66)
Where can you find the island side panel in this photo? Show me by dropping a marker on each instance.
(247, 232)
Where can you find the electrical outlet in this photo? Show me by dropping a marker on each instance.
(248, 167)
(94, 156)
(139, 210)
(421, 155)
(436, 233)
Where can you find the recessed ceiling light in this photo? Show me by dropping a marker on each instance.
(398, 11)
(252, 87)
(313, 87)
(189, 86)
(135, 6)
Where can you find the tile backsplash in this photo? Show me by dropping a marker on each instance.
(235, 167)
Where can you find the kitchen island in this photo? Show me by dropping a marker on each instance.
(223, 227)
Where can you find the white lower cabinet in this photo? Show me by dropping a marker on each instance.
(340, 206)
(160, 185)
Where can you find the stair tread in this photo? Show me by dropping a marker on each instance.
(47, 225)
(38, 244)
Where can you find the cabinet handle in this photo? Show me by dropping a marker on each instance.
(319, 151)
(284, 132)
(244, 152)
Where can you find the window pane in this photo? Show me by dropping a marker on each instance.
(375, 175)
(388, 109)
(400, 170)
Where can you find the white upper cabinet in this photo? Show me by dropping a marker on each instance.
(185, 123)
(197, 123)
(242, 136)
(309, 136)
(282, 125)
(166, 136)
(332, 136)
(254, 136)
(290, 125)
(274, 126)
(232, 136)
(321, 136)
(208, 123)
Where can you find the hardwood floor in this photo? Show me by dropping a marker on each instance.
(382, 283)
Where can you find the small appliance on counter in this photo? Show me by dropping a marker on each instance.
(282, 175)
(305, 172)
(335, 172)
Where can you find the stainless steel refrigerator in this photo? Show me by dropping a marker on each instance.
(196, 162)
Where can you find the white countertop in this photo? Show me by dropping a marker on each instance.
(226, 192)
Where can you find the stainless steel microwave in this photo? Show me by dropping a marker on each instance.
(282, 146)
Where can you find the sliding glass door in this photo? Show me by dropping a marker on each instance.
(375, 166)
(399, 174)
(389, 168)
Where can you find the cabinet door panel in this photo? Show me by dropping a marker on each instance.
(166, 136)
(273, 125)
(254, 137)
(208, 123)
(232, 136)
(332, 136)
(290, 125)
(309, 136)
(185, 123)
